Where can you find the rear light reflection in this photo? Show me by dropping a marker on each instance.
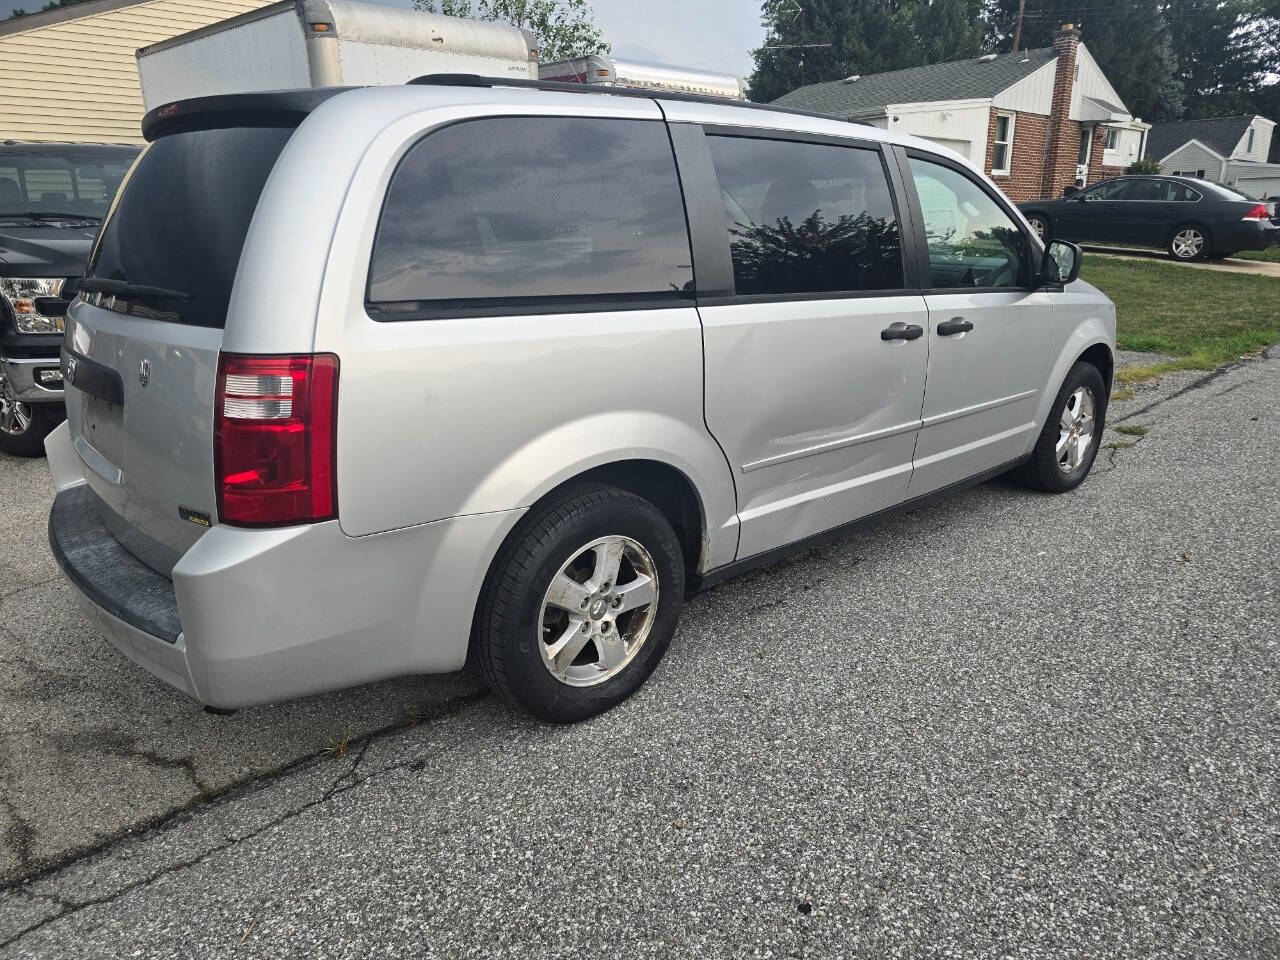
(275, 439)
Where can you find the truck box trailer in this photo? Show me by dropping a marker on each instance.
(321, 43)
(613, 71)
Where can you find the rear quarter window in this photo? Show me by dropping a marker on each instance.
(532, 210)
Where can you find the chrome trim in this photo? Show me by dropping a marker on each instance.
(938, 418)
(20, 372)
(832, 445)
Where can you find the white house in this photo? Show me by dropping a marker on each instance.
(1230, 150)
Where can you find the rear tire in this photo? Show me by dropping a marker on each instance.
(1064, 453)
(1188, 242)
(23, 426)
(1040, 226)
(559, 631)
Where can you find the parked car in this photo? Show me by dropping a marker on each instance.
(52, 198)
(362, 382)
(1188, 217)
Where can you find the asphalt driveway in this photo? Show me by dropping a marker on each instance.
(1004, 725)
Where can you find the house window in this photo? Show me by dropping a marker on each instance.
(1003, 154)
(1113, 138)
(1249, 146)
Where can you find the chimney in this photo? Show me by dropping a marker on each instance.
(1062, 143)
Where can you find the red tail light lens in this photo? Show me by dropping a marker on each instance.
(1260, 212)
(274, 443)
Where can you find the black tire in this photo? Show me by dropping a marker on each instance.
(30, 442)
(506, 642)
(1042, 470)
(1046, 234)
(1172, 249)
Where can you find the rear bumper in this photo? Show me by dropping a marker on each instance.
(23, 374)
(259, 616)
(1246, 235)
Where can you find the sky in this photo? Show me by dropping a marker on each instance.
(716, 34)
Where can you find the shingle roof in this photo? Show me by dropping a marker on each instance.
(1219, 133)
(954, 80)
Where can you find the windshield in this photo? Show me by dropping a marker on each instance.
(43, 182)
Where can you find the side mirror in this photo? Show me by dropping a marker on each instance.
(1061, 262)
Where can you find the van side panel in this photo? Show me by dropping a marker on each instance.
(450, 417)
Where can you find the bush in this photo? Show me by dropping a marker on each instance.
(1143, 166)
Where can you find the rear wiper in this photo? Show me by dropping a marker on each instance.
(122, 288)
(47, 215)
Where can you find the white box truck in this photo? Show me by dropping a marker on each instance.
(617, 72)
(322, 43)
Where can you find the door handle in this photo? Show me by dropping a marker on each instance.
(908, 332)
(953, 326)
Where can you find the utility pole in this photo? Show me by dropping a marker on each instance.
(1017, 30)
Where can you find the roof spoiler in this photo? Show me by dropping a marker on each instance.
(271, 108)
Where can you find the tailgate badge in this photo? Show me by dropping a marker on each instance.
(195, 516)
(144, 372)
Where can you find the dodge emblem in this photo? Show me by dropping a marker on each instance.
(144, 372)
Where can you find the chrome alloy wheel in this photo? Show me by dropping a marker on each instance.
(598, 611)
(1037, 225)
(1188, 243)
(15, 417)
(1075, 429)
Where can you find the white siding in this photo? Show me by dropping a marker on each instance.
(77, 80)
(1191, 158)
(1262, 131)
(1033, 94)
(962, 124)
(1256, 179)
(1091, 82)
(1128, 144)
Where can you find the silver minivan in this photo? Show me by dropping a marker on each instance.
(370, 382)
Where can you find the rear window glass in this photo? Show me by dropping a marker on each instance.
(542, 207)
(181, 218)
(52, 179)
(806, 217)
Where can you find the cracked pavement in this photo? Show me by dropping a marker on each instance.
(1006, 723)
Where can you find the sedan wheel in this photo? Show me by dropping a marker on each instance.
(1187, 244)
(1039, 226)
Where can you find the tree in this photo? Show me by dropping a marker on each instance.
(1130, 39)
(1225, 51)
(563, 28)
(858, 37)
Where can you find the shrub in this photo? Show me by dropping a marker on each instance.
(1143, 166)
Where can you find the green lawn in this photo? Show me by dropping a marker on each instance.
(1201, 317)
(1271, 254)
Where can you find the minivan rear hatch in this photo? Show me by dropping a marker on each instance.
(144, 336)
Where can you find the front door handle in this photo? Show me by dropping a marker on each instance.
(908, 332)
(953, 326)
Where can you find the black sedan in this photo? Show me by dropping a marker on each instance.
(1190, 218)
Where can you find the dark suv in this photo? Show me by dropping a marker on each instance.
(53, 197)
(1188, 217)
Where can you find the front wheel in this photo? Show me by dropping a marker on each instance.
(1188, 243)
(1068, 444)
(1040, 225)
(580, 604)
(23, 426)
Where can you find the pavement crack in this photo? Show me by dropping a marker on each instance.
(337, 788)
(1199, 384)
(225, 794)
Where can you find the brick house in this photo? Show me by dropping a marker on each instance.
(1034, 120)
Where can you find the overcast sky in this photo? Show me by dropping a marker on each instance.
(717, 34)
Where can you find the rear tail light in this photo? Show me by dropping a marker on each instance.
(274, 440)
(1260, 212)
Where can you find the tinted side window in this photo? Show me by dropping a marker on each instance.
(517, 207)
(806, 217)
(972, 242)
(1111, 190)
